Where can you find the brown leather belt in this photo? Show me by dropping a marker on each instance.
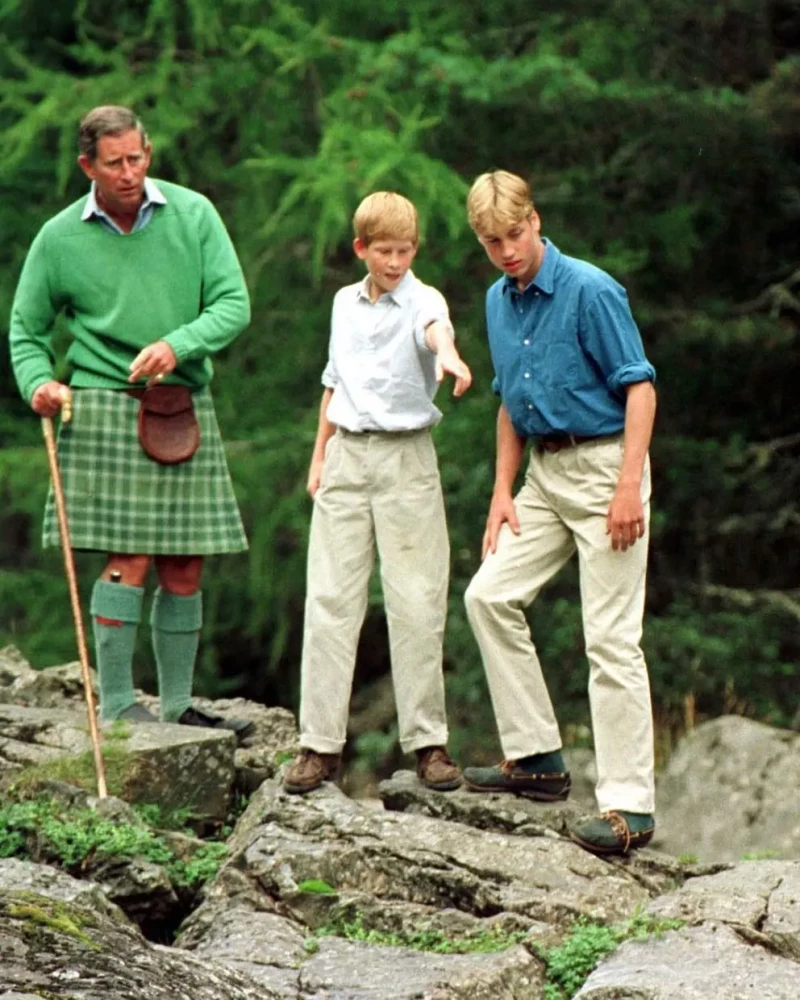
(560, 441)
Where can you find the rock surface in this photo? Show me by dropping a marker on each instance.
(176, 766)
(730, 789)
(322, 897)
(710, 962)
(399, 873)
(169, 765)
(55, 943)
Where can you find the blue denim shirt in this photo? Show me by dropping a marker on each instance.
(564, 349)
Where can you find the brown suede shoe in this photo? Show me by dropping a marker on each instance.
(437, 770)
(309, 769)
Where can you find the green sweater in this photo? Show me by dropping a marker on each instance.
(178, 280)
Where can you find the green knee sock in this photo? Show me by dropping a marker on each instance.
(176, 622)
(116, 611)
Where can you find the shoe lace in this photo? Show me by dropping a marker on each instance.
(507, 766)
(435, 755)
(619, 827)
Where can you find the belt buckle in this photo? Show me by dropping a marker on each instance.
(553, 446)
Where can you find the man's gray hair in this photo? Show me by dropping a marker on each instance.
(110, 119)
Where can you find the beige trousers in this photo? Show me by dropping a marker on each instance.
(378, 491)
(562, 507)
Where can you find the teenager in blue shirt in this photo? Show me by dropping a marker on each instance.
(573, 379)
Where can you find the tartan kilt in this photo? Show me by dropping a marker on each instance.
(119, 500)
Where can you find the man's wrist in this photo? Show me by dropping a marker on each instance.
(501, 491)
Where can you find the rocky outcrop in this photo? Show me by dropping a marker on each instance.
(456, 896)
(59, 939)
(171, 766)
(742, 940)
(43, 720)
(730, 790)
(299, 866)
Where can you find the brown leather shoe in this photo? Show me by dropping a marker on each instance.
(309, 769)
(437, 770)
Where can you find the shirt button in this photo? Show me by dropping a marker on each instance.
(535, 292)
(526, 342)
(530, 406)
(527, 374)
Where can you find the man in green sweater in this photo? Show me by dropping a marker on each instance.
(149, 284)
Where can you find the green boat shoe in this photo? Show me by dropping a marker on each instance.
(542, 777)
(615, 832)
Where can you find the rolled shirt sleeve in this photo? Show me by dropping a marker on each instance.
(329, 376)
(611, 338)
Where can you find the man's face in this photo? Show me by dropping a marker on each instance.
(516, 250)
(119, 170)
(387, 262)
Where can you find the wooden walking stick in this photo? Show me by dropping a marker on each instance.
(69, 566)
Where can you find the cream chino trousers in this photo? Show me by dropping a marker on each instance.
(562, 507)
(378, 491)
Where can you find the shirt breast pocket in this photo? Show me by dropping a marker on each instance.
(560, 362)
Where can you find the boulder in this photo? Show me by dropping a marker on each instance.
(273, 740)
(729, 790)
(169, 765)
(710, 962)
(301, 867)
(58, 939)
(760, 899)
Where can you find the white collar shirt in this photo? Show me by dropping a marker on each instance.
(381, 371)
(152, 198)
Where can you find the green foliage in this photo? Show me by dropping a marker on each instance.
(200, 868)
(317, 887)
(569, 964)
(43, 830)
(661, 144)
(423, 939)
(70, 836)
(76, 770)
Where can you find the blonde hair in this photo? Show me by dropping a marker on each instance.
(385, 215)
(498, 200)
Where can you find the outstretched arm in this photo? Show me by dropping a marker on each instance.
(448, 362)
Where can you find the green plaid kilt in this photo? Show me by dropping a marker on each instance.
(119, 500)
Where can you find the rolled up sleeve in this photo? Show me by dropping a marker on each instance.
(330, 378)
(611, 338)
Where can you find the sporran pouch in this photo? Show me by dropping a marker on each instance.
(168, 428)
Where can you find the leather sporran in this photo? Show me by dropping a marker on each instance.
(168, 428)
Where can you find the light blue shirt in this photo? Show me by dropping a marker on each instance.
(382, 372)
(564, 349)
(152, 198)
